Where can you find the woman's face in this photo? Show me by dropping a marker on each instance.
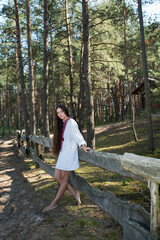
(61, 114)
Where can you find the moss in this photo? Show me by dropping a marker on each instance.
(110, 236)
(64, 233)
(88, 222)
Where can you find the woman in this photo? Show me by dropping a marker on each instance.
(67, 138)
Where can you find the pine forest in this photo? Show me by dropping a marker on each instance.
(99, 58)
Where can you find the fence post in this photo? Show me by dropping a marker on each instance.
(19, 138)
(38, 152)
(155, 210)
(28, 143)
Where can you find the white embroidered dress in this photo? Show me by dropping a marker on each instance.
(68, 156)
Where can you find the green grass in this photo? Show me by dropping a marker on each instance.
(87, 222)
(120, 139)
(28, 165)
(110, 236)
(65, 233)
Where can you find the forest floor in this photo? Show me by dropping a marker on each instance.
(25, 191)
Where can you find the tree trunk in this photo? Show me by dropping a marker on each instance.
(31, 78)
(36, 97)
(18, 94)
(115, 99)
(46, 131)
(81, 98)
(53, 81)
(131, 104)
(146, 84)
(2, 110)
(70, 59)
(121, 103)
(7, 102)
(21, 74)
(133, 120)
(125, 59)
(87, 77)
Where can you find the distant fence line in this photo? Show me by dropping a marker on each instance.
(137, 223)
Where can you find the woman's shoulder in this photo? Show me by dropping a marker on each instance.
(72, 122)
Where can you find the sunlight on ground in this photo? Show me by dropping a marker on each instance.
(6, 182)
(115, 147)
(119, 133)
(128, 144)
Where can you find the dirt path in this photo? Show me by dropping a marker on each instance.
(21, 216)
(18, 211)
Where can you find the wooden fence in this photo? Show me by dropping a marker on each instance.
(137, 223)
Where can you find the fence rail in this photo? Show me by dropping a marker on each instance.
(137, 223)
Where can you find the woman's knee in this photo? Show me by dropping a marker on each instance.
(57, 179)
(57, 175)
(65, 177)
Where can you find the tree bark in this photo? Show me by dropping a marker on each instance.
(53, 81)
(18, 94)
(131, 104)
(87, 76)
(126, 58)
(2, 110)
(115, 99)
(36, 97)
(7, 102)
(31, 78)
(146, 83)
(46, 131)
(81, 98)
(121, 102)
(133, 120)
(70, 59)
(21, 74)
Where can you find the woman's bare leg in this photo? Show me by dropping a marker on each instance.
(64, 182)
(62, 177)
(58, 174)
(75, 194)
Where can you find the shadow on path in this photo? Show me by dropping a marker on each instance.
(17, 211)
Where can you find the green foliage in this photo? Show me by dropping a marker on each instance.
(125, 181)
(7, 132)
(156, 153)
(142, 114)
(155, 96)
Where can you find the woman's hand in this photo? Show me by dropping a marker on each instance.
(85, 148)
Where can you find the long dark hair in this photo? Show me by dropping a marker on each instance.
(58, 129)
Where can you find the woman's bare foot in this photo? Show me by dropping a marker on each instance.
(78, 198)
(50, 207)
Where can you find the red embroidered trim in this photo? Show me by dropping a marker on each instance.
(64, 125)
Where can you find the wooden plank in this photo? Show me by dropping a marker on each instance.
(47, 168)
(109, 161)
(155, 210)
(134, 231)
(44, 141)
(146, 167)
(23, 150)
